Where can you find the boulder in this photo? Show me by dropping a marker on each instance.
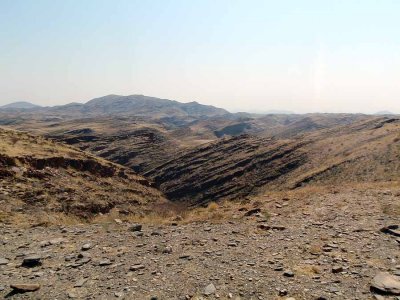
(385, 283)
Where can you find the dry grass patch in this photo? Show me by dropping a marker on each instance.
(42, 219)
(391, 209)
(308, 270)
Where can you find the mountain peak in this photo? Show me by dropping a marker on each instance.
(142, 105)
(20, 105)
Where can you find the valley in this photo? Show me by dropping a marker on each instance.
(236, 205)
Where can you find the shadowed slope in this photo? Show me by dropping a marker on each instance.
(232, 168)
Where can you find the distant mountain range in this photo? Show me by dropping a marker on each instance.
(140, 105)
(137, 105)
(384, 112)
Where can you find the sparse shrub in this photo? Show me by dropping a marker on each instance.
(391, 209)
(315, 249)
(213, 206)
(216, 216)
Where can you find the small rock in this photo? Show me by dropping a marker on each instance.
(210, 289)
(31, 261)
(135, 227)
(337, 269)
(56, 241)
(167, 250)
(252, 212)
(83, 255)
(288, 273)
(44, 244)
(269, 227)
(282, 292)
(86, 247)
(80, 283)
(25, 287)
(119, 295)
(136, 267)
(105, 262)
(3, 261)
(278, 227)
(72, 295)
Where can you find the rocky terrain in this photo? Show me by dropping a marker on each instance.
(309, 244)
(143, 198)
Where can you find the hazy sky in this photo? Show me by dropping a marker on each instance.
(298, 55)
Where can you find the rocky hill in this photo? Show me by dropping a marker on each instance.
(140, 105)
(233, 168)
(19, 105)
(41, 177)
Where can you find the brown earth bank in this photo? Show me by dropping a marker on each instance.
(39, 176)
(310, 243)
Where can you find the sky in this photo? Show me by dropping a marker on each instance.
(250, 55)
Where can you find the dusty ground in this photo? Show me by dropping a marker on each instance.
(321, 234)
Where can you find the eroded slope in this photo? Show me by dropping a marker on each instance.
(41, 176)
